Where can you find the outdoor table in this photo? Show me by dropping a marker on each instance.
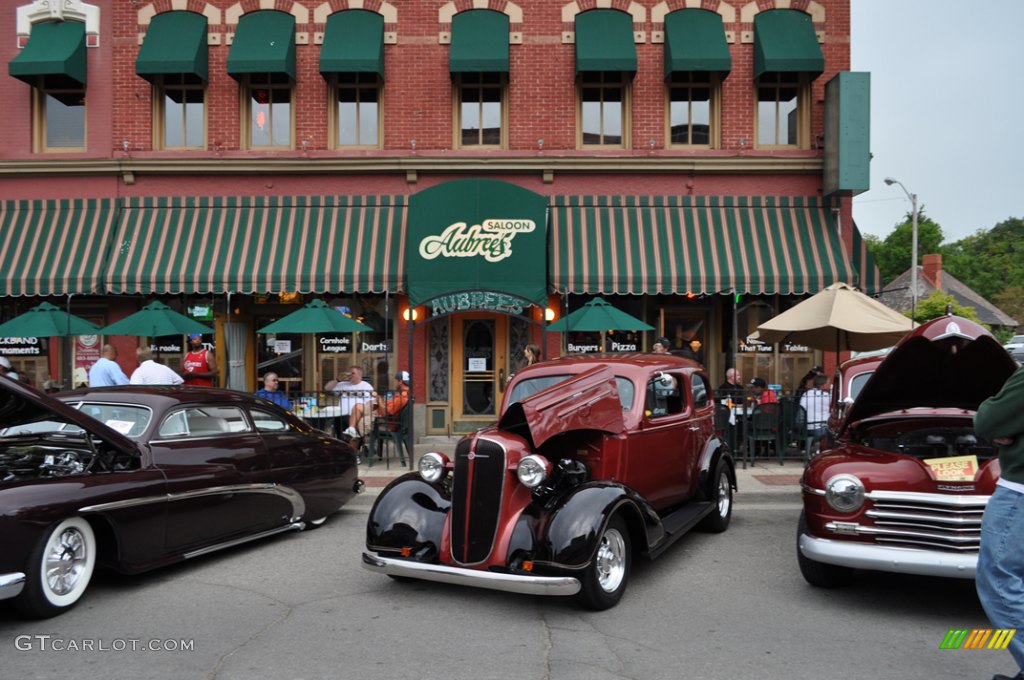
(320, 416)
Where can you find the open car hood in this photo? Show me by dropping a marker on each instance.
(588, 401)
(20, 404)
(948, 362)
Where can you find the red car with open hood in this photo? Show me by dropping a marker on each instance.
(905, 483)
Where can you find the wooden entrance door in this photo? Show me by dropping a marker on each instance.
(479, 366)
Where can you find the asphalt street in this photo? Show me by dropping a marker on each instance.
(729, 606)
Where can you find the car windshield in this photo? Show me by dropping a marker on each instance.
(531, 386)
(127, 419)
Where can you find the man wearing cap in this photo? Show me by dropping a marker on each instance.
(661, 346)
(362, 419)
(106, 372)
(200, 365)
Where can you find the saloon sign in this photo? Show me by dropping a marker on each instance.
(477, 242)
(491, 240)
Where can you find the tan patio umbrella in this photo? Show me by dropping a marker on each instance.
(839, 318)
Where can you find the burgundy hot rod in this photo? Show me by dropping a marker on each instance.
(138, 477)
(594, 458)
(906, 481)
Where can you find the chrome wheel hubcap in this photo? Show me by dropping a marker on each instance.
(611, 561)
(724, 495)
(65, 560)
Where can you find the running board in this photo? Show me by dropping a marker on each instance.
(294, 526)
(679, 522)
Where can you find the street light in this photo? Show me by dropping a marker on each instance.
(913, 244)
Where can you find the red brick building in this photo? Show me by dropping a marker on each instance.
(690, 161)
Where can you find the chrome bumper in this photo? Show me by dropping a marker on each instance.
(889, 558)
(509, 583)
(11, 585)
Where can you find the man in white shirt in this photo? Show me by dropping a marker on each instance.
(150, 372)
(353, 389)
(816, 403)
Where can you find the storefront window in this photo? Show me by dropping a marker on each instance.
(282, 354)
(369, 350)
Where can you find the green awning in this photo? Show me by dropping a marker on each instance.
(695, 41)
(479, 42)
(604, 41)
(175, 43)
(54, 247)
(264, 43)
(869, 278)
(353, 43)
(55, 48)
(305, 244)
(785, 42)
(694, 244)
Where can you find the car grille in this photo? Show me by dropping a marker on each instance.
(925, 520)
(478, 484)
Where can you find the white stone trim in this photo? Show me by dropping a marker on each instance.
(65, 10)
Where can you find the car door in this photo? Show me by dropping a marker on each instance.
(659, 452)
(215, 465)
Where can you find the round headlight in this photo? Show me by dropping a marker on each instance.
(433, 466)
(532, 471)
(845, 493)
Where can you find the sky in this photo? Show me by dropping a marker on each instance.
(947, 111)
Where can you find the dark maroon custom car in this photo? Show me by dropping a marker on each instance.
(138, 477)
(594, 459)
(904, 486)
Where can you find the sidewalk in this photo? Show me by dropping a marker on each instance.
(766, 481)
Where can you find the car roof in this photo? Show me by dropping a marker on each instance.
(631, 364)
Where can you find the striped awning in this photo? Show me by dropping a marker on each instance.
(306, 244)
(54, 247)
(694, 244)
(869, 278)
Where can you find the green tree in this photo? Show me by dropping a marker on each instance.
(1011, 301)
(892, 254)
(936, 305)
(989, 261)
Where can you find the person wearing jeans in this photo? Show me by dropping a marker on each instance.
(1000, 573)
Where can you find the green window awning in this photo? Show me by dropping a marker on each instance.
(55, 247)
(479, 42)
(175, 43)
(785, 42)
(695, 41)
(604, 41)
(694, 244)
(264, 43)
(305, 244)
(55, 48)
(353, 43)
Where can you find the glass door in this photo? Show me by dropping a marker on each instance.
(480, 365)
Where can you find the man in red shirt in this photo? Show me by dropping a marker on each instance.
(200, 365)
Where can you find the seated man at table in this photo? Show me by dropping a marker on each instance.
(354, 390)
(270, 391)
(362, 417)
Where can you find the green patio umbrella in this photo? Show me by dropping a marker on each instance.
(154, 320)
(315, 317)
(599, 315)
(46, 321)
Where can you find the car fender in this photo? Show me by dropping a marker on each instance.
(570, 527)
(409, 513)
(715, 452)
